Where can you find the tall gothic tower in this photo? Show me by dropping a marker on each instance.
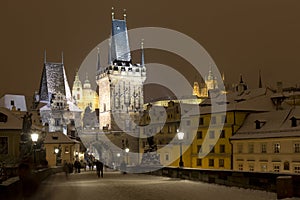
(121, 83)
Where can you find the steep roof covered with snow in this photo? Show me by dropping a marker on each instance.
(276, 123)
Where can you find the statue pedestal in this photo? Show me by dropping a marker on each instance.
(150, 162)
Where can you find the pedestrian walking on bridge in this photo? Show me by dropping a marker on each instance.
(99, 168)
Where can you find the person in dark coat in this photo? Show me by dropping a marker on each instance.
(77, 166)
(99, 168)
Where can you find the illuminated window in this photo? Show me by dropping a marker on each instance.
(251, 167)
(276, 148)
(240, 167)
(286, 165)
(297, 169)
(263, 167)
(276, 168)
(67, 150)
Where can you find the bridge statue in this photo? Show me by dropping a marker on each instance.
(150, 157)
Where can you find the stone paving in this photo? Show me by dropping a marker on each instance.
(116, 186)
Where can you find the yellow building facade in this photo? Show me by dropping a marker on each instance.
(268, 142)
(211, 148)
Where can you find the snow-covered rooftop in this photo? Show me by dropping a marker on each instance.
(58, 137)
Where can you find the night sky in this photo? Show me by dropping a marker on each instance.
(242, 37)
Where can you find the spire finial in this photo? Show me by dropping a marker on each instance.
(241, 78)
(45, 56)
(62, 57)
(112, 13)
(142, 53)
(98, 59)
(109, 51)
(259, 81)
(124, 14)
(86, 76)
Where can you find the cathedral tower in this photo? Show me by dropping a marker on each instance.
(121, 83)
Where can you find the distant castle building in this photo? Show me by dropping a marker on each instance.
(83, 95)
(202, 90)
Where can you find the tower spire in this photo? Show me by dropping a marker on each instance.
(142, 53)
(259, 80)
(109, 51)
(98, 59)
(62, 57)
(241, 78)
(45, 56)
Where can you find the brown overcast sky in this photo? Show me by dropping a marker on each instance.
(242, 37)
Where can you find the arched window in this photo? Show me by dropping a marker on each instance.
(286, 165)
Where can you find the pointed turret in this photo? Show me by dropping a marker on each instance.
(210, 74)
(62, 57)
(87, 83)
(98, 60)
(119, 42)
(241, 79)
(142, 53)
(241, 87)
(45, 56)
(109, 51)
(259, 81)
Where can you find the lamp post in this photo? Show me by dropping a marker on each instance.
(118, 155)
(34, 138)
(180, 136)
(56, 151)
(127, 151)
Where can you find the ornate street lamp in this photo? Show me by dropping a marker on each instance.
(118, 155)
(127, 151)
(180, 136)
(34, 138)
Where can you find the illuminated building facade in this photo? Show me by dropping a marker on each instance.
(121, 83)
